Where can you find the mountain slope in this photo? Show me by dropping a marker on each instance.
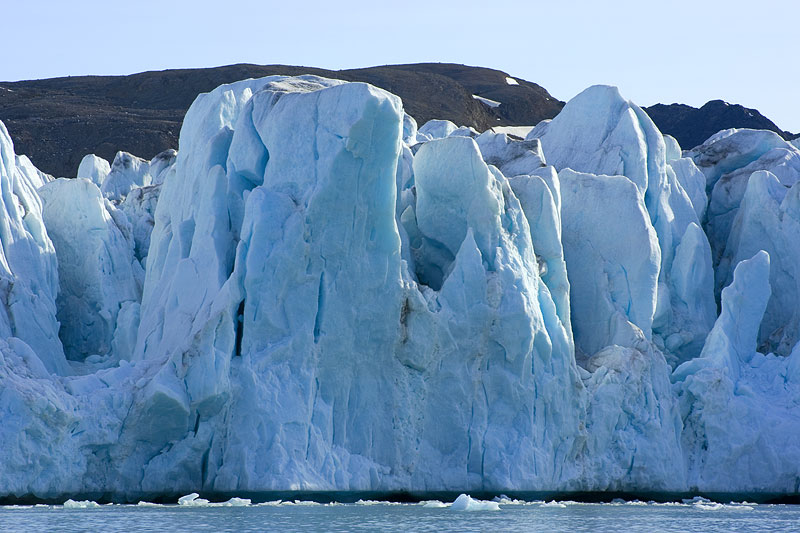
(691, 126)
(57, 121)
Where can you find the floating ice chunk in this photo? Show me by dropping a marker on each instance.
(555, 504)
(434, 504)
(273, 503)
(734, 506)
(193, 500)
(708, 506)
(502, 498)
(84, 504)
(466, 503)
(236, 502)
(94, 169)
(377, 502)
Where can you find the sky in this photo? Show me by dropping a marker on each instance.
(687, 51)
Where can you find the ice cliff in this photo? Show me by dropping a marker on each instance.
(313, 294)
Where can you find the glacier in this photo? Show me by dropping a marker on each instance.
(314, 294)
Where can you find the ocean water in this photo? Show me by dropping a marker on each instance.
(572, 517)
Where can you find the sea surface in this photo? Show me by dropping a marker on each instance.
(501, 515)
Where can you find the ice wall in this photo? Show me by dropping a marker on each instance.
(599, 132)
(613, 281)
(335, 300)
(99, 277)
(739, 407)
(28, 271)
(748, 175)
(314, 348)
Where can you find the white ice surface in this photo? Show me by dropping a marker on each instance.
(127, 171)
(139, 207)
(28, 268)
(94, 169)
(519, 131)
(727, 160)
(435, 129)
(33, 175)
(97, 271)
(487, 101)
(739, 407)
(466, 503)
(599, 132)
(613, 281)
(511, 157)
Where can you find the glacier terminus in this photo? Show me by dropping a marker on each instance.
(312, 294)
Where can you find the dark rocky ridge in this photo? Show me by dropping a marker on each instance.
(692, 126)
(57, 121)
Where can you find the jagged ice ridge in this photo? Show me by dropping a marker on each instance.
(312, 294)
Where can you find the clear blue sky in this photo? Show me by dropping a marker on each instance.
(745, 52)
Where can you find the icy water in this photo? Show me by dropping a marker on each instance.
(434, 516)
